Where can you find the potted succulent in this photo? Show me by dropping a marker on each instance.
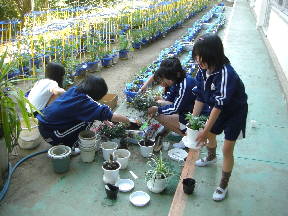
(12, 106)
(157, 176)
(195, 123)
(111, 171)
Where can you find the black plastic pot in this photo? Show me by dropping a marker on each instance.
(111, 191)
(188, 185)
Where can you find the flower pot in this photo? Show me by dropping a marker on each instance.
(122, 156)
(130, 95)
(191, 139)
(157, 185)
(60, 156)
(111, 191)
(93, 66)
(29, 139)
(108, 148)
(87, 139)
(146, 151)
(123, 54)
(106, 62)
(87, 154)
(111, 176)
(136, 45)
(188, 185)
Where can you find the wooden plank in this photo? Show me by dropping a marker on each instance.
(180, 198)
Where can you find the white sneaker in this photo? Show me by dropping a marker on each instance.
(203, 162)
(219, 194)
(75, 151)
(179, 145)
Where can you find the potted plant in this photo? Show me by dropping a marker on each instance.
(111, 171)
(144, 100)
(12, 106)
(123, 47)
(114, 133)
(195, 123)
(157, 176)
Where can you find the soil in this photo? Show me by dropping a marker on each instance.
(110, 165)
(146, 142)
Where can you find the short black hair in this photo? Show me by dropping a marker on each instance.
(55, 72)
(93, 86)
(211, 51)
(170, 69)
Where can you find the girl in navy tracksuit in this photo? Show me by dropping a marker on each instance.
(74, 111)
(219, 86)
(179, 100)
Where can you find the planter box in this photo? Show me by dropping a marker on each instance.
(110, 100)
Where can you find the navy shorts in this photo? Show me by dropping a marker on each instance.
(232, 124)
(67, 137)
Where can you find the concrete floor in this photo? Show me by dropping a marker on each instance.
(259, 181)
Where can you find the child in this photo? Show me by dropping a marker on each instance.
(47, 90)
(220, 87)
(180, 98)
(74, 111)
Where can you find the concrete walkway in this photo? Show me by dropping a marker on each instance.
(259, 181)
(258, 185)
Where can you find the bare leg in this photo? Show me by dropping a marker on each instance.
(171, 122)
(228, 158)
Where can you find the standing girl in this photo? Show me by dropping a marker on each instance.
(220, 87)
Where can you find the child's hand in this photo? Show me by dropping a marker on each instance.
(152, 111)
(134, 125)
(108, 123)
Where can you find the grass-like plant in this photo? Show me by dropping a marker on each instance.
(158, 168)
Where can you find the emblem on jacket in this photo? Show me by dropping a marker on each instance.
(213, 87)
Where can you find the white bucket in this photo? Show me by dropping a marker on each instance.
(87, 154)
(108, 148)
(111, 176)
(157, 185)
(87, 138)
(60, 156)
(122, 156)
(190, 140)
(29, 139)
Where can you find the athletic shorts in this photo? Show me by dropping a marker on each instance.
(67, 137)
(233, 125)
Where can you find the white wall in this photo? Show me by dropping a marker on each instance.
(277, 35)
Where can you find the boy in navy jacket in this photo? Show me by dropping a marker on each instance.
(74, 111)
(219, 86)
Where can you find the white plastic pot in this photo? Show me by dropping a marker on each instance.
(191, 139)
(108, 148)
(87, 154)
(111, 176)
(157, 185)
(29, 139)
(146, 151)
(122, 156)
(87, 138)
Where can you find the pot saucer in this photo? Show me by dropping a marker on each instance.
(177, 154)
(139, 198)
(125, 185)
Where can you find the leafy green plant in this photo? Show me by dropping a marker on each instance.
(12, 105)
(115, 131)
(195, 122)
(123, 42)
(144, 100)
(158, 168)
